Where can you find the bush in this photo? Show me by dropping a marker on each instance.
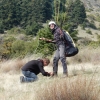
(92, 26)
(33, 29)
(45, 48)
(6, 46)
(97, 17)
(89, 31)
(21, 48)
(31, 47)
(18, 48)
(83, 25)
(16, 30)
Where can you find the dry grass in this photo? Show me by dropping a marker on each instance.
(82, 83)
(11, 65)
(73, 88)
(80, 88)
(86, 55)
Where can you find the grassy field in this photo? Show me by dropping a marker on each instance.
(83, 82)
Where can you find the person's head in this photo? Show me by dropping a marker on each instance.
(52, 25)
(46, 61)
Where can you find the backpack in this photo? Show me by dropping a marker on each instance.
(70, 48)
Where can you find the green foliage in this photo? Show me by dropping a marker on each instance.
(6, 46)
(84, 24)
(98, 37)
(92, 17)
(94, 44)
(18, 48)
(59, 10)
(76, 12)
(98, 18)
(1, 27)
(31, 47)
(92, 25)
(21, 48)
(42, 10)
(62, 19)
(87, 23)
(12, 47)
(16, 30)
(24, 13)
(45, 48)
(89, 31)
(8, 14)
(33, 29)
(20, 17)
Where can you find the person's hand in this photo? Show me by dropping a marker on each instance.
(42, 39)
(51, 73)
(47, 40)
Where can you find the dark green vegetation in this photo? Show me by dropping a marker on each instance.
(26, 20)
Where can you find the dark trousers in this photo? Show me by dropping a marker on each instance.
(60, 54)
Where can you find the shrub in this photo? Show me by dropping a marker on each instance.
(16, 30)
(45, 48)
(83, 25)
(92, 17)
(31, 46)
(97, 17)
(18, 48)
(89, 31)
(92, 26)
(6, 46)
(33, 29)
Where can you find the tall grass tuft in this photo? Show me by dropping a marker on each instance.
(13, 65)
(79, 88)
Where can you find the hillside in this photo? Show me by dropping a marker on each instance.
(93, 15)
(94, 5)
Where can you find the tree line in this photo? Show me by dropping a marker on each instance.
(24, 13)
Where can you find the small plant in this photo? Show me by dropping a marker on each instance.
(89, 31)
(92, 25)
(83, 25)
(16, 30)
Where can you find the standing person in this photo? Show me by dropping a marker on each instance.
(31, 69)
(60, 52)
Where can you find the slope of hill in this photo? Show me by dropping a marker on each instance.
(93, 15)
(93, 5)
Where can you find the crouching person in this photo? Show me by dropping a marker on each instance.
(31, 69)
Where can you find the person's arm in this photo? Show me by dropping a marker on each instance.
(47, 40)
(44, 73)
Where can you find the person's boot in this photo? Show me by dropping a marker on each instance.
(65, 75)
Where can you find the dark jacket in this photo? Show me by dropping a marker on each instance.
(35, 66)
(58, 36)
